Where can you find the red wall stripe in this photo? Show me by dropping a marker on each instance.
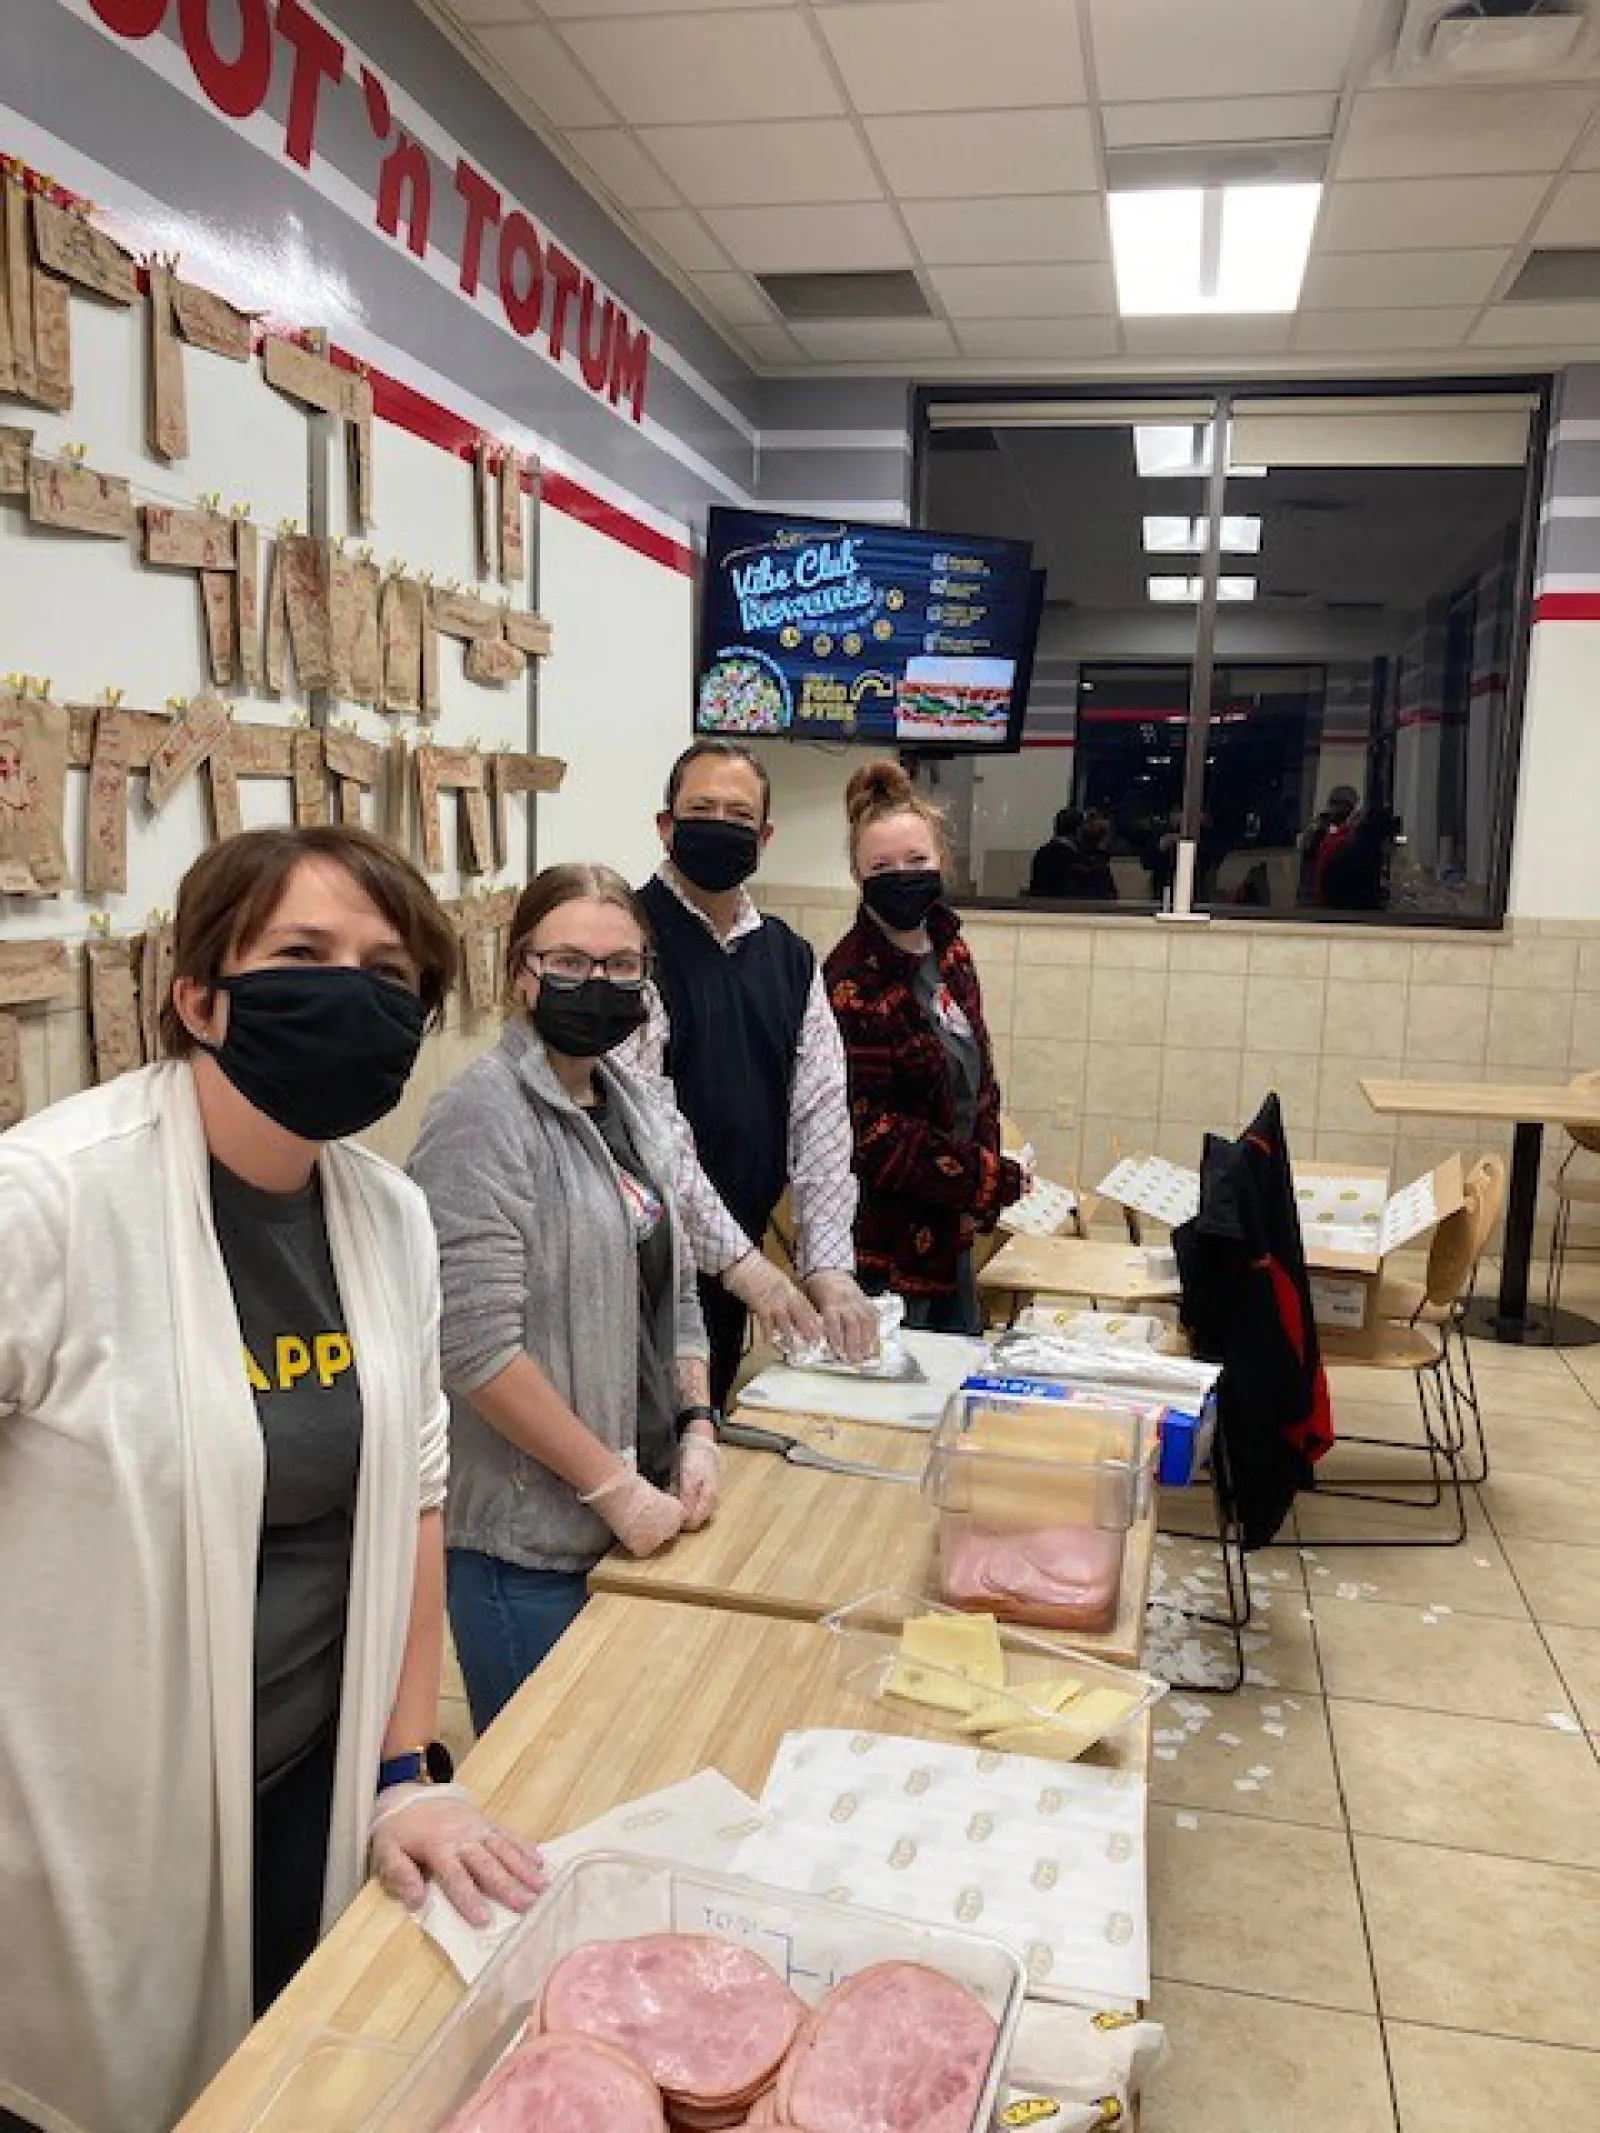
(1567, 607)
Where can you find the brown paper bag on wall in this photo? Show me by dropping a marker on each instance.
(358, 448)
(513, 552)
(155, 982)
(277, 643)
(216, 600)
(70, 245)
(431, 697)
(478, 938)
(167, 407)
(366, 655)
(428, 827)
(247, 599)
(305, 568)
(227, 816)
(113, 1010)
(208, 322)
(343, 621)
(105, 859)
(485, 508)
(16, 445)
(310, 779)
(36, 973)
(474, 833)
(494, 661)
(401, 620)
(76, 499)
(188, 540)
(52, 343)
(13, 1100)
(35, 738)
(18, 285)
(194, 734)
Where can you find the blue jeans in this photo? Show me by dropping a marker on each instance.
(505, 1620)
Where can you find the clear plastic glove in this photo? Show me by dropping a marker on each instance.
(849, 1319)
(784, 1313)
(643, 1518)
(423, 1833)
(699, 1481)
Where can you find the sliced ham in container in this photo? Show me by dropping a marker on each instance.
(710, 2022)
(1057, 1577)
(898, 2048)
(564, 2084)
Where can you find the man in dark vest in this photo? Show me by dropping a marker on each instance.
(741, 1027)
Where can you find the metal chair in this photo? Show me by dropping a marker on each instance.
(1571, 1192)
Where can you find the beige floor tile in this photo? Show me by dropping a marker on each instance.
(1519, 1791)
(455, 1725)
(1543, 1507)
(1474, 1665)
(1409, 1516)
(1257, 1906)
(1577, 1654)
(1449, 2083)
(1506, 1394)
(1531, 1440)
(1466, 1941)
(1205, 1767)
(1562, 1583)
(450, 1681)
(1474, 1579)
(1238, 2062)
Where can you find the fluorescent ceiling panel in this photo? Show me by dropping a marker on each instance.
(1181, 450)
(1187, 536)
(1234, 248)
(1172, 592)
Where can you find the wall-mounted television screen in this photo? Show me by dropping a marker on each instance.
(823, 630)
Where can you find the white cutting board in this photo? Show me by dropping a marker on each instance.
(947, 1358)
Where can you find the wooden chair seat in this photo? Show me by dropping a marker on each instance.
(1387, 1347)
(1405, 1302)
(1585, 1190)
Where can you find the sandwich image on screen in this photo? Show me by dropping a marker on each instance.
(955, 700)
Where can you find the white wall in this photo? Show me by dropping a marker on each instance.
(1555, 859)
(808, 781)
(614, 696)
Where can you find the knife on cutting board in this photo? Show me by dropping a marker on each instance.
(750, 1439)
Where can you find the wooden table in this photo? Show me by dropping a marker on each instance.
(631, 1699)
(798, 1542)
(1104, 1272)
(1529, 1108)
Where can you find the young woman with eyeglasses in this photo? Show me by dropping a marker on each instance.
(572, 1343)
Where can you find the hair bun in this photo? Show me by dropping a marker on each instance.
(880, 784)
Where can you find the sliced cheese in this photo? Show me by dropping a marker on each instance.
(940, 1654)
(910, 1683)
(1008, 1710)
(1087, 1719)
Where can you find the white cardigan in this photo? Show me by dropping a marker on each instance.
(130, 1512)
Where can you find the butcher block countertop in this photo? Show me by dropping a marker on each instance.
(633, 1698)
(798, 1542)
(1109, 1272)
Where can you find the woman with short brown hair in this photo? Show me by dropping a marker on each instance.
(222, 1460)
(572, 1342)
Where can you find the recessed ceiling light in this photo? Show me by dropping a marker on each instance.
(1187, 536)
(1180, 449)
(1186, 591)
(1217, 249)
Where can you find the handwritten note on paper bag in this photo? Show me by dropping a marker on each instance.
(33, 759)
(105, 861)
(155, 982)
(12, 1100)
(186, 747)
(113, 1010)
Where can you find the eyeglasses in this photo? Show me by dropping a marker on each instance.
(560, 967)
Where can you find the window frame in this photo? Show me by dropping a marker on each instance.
(1221, 393)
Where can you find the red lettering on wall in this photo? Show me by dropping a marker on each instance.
(596, 362)
(318, 58)
(519, 244)
(131, 18)
(483, 208)
(405, 188)
(565, 274)
(630, 366)
(237, 86)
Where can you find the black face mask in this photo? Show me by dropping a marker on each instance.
(714, 855)
(582, 1021)
(323, 1053)
(904, 899)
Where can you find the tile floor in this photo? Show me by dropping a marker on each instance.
(1375, 1873)
(1396, 1929)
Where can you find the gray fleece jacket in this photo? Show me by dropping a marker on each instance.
(537, 1255)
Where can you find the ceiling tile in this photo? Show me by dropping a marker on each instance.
(962, 233)
(1206, 338)
(800, 240)
(1420, 214)
(885, 340)
(1574, 215)
(933, 55)
(683, 237)
(1379, 281)
(661, 72)
(584, 10)
(772, 344)
(1175, 122)
(1024, 292)
(736, 298)
(623, 168)
(1539, 326)
(980, 155)
(1381, 332)
(1419, 133)
(1159, 48)
(474, 12)
(544, 70)
(1037, 340)
(775, 163)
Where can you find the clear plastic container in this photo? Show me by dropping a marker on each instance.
(1036, 1485)
(869, 1631)
(612, 1896)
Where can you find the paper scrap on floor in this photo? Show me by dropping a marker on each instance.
(1049, 1859)
(701, 1822)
